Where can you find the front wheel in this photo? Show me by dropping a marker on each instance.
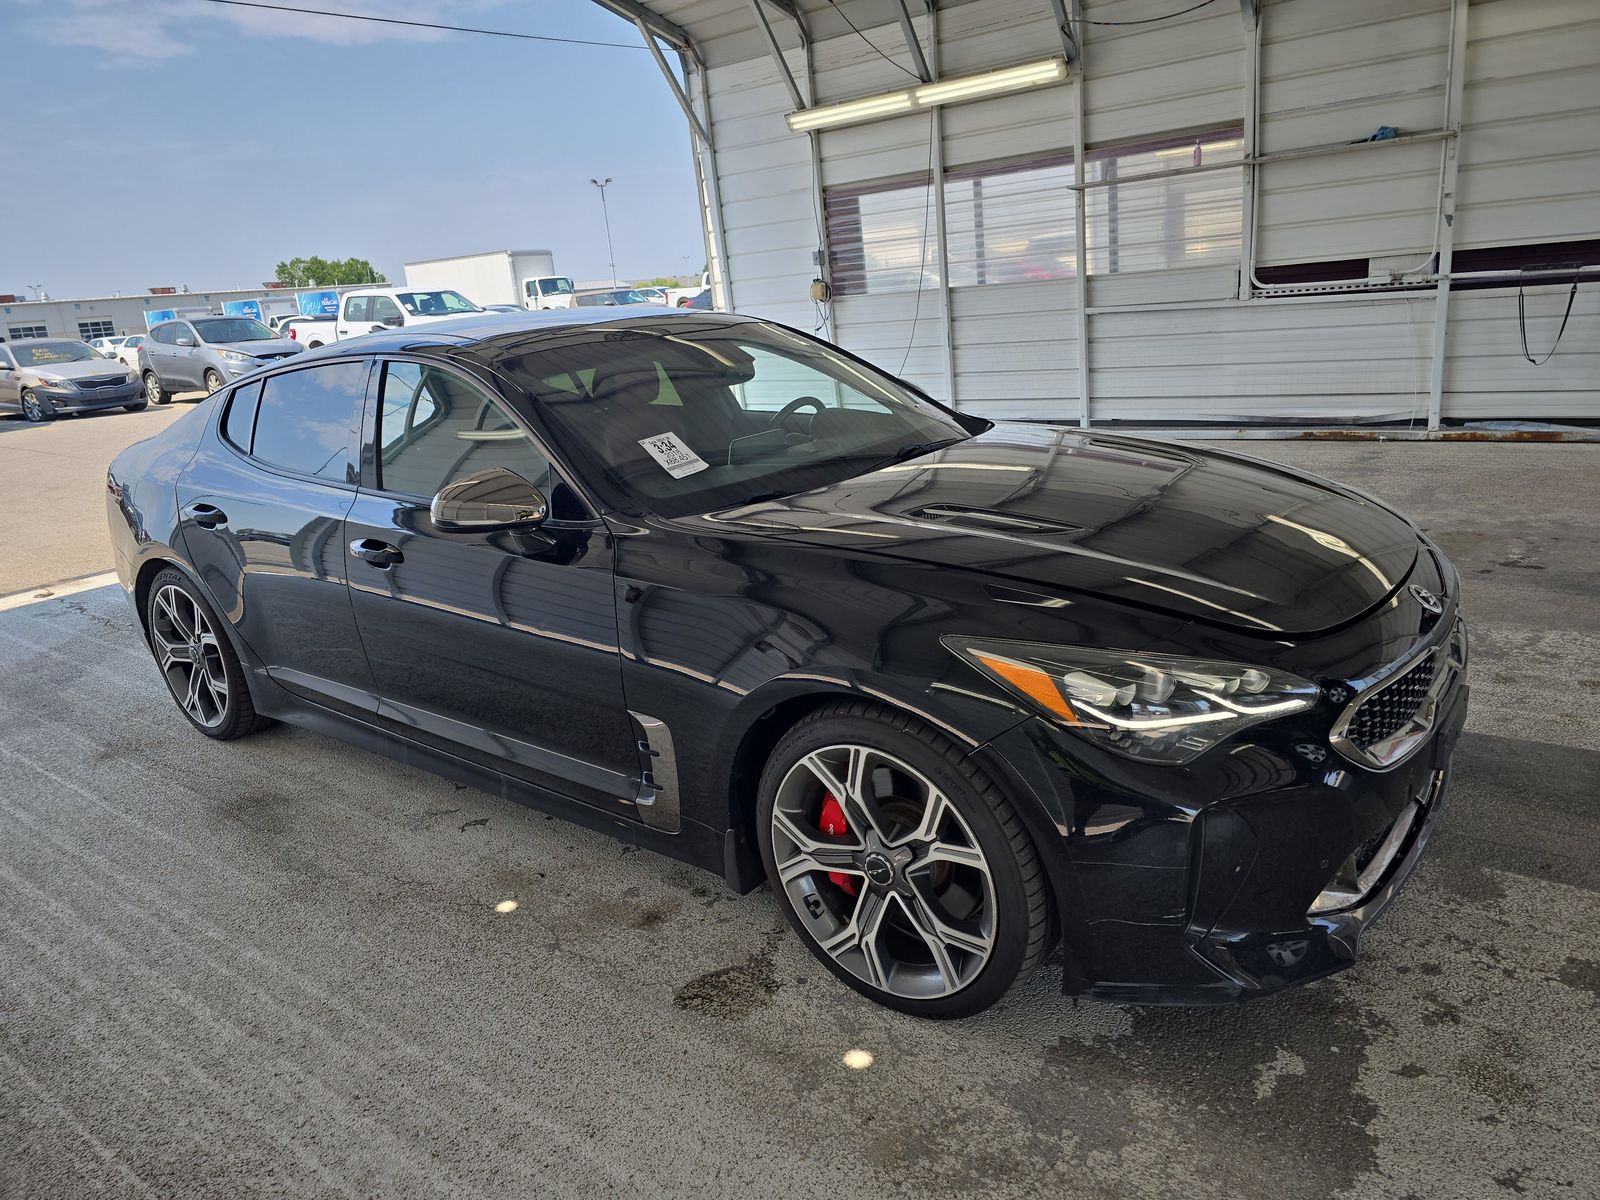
(196, 659)
(901, 866)
(154, 393)
(213, 382)
(33, 408)
(139, 407)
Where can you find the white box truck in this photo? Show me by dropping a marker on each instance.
(523, 277)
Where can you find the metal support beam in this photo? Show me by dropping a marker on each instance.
(677, 89)
(918, 59)
(936, 182)
(1069, 37)
(1080, 222)
(705, 164)
(778, 59)
(788, 9)
(635, 13)
(1455, 86)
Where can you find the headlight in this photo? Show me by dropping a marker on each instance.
(60, 385)
(1154, 707)
(131, 377)
(234, 356)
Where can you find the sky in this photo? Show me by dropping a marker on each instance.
(183, 142)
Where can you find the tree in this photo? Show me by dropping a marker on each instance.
(327, 272)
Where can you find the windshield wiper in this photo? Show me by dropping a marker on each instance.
(915, 450)
(756, 498)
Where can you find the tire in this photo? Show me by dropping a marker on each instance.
(154, 393)
(34, 409)
(139, 407)
(184, 630)
(314, 346)
(941, 907)
(213, 382)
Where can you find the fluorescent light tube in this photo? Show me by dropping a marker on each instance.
(1010, 79)
(928, 95)
(850, 112)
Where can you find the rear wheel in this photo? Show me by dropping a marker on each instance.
(154, 393)
(34, 409)
(197, 661)
(901, 866)
(213, 382)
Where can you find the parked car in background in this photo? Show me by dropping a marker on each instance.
(526, 278)
(310, 332)
(43, 377)
(128, 353)
(502, 308)
(679, 297)
(609, 297)
(107, 345)
(956, 689)
(701, 299)
(191, 353)
(655, 295)
(371, 310)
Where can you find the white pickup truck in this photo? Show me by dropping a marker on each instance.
(679, 297)
(370, 310)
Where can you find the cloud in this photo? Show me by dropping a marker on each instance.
(165, 29)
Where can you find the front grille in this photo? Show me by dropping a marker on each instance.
(1388, 712)
(100, 381)
(274, 354)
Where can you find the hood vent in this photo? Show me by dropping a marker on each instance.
(968, 517)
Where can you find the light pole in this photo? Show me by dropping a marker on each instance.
(38, 290)
(610, 255)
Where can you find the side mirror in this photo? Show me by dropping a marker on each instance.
(184, 340)
(394, 320)
(486, 500)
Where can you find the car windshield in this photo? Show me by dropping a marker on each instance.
(233, 329)
(629, 296)
(48, 354)
(691, 416)
(556, 285)
(435, 304)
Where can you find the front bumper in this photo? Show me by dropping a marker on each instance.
(89, 399)
(1209, 886)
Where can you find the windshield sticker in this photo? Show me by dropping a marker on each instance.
(675, 458)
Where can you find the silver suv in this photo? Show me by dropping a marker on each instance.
(191, 353)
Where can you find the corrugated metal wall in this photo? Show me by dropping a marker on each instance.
(1188, 342)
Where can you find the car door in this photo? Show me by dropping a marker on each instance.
(385, 313)
(185, 357)
(354, 317)
(263, 504)
(158, 351)
(498, 647)
(10, 381)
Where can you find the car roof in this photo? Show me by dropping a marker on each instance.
(504, 333)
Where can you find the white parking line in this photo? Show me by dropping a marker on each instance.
(53, 591)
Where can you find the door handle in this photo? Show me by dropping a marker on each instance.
(207, 516)
(379, 554)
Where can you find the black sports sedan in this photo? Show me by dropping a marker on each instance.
(955, 689)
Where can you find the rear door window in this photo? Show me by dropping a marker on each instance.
(355, 308)
(304, 420)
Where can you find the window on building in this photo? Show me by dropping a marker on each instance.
(88, 330)
(18, 332)
(1157, 222)
(1014, 222)
(882, 238)
(1010, 223)
(304, 417)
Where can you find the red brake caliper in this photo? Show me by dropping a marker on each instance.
(833, 824)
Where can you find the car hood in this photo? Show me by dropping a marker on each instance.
(266, 348)
(77, 370)
(1204, 536)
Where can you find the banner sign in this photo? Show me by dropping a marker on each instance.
(242, 308)
(155, 316)
(319, 304)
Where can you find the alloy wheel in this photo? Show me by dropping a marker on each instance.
(32, 409)
(189, 655)
(884, 872)
(213, 382)
(152, 387)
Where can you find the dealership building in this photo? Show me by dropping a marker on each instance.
(1250, 212)
(110, 316)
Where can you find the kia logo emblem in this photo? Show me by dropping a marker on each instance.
(1426, 598)
(879, 869)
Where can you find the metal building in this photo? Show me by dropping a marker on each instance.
(1246, 211)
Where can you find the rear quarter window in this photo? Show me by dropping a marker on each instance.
(304, 420)
(239, 421)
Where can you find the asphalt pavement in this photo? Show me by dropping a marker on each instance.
(53, 487)
(276, 967)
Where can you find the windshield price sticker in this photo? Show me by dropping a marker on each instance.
(675, 457)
